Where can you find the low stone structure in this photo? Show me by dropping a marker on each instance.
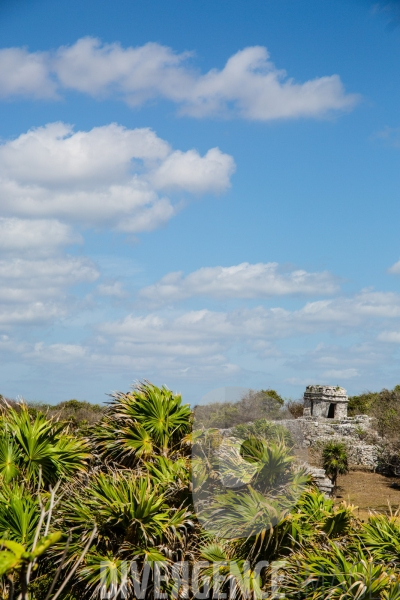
(326, 420)
(323, 483)
(325, 401)
(361, 442)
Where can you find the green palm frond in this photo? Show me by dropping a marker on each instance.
(128, 510)
(10, 457)
(145, 421)
(330, 573)
(245, 513)
(38, 445)
(335, 460)
(381, 535)
(19, 513)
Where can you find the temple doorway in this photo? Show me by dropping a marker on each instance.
(331, 411)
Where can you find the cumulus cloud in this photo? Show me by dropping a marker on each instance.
(205, 332)
(108, 175)
(40, 236)
(24, 280)
(392, 337)
(261, 280)
(248, 86)
(209, 333)
(33, 290)
(24, 73)
(199, 344)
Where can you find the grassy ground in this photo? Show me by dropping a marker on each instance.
(368, 491)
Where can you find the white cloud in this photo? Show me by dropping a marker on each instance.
(245, 280)
(341, 374)
(395, 269)
(350, 312)
(259, 91)
(25, 74)
(390, 134)
(205, 335)
(108, 175)
(28, 281)
(255, 323)
(35, 290)
(392, 337)
(189, 171)
(30, 314)
(40, 236)
(114, 289)
(248, 86)
(200, 344)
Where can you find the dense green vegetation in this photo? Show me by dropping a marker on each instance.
(384, 406)
(76, 502)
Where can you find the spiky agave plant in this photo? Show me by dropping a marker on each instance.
(146, 421)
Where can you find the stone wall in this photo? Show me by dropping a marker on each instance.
(361, 441)
(311, 434)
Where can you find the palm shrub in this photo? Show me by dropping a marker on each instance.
(135, 504)
(381, 535)
(131, 518)
(335, 460)
(332, 571)
(19, 513)
(36, 446)
(250, 488)
(146, 421)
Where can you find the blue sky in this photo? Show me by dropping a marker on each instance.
(199, 193)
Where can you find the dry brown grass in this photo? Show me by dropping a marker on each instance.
(368, 491)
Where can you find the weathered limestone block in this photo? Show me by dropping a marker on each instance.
(320, 479)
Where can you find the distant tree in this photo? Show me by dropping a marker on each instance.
(335, 460)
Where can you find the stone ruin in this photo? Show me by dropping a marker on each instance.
(325, 401)
(325, 419)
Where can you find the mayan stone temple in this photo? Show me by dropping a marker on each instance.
(325, 401)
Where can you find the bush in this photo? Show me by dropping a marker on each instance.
(264, 404)
(295, 408)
